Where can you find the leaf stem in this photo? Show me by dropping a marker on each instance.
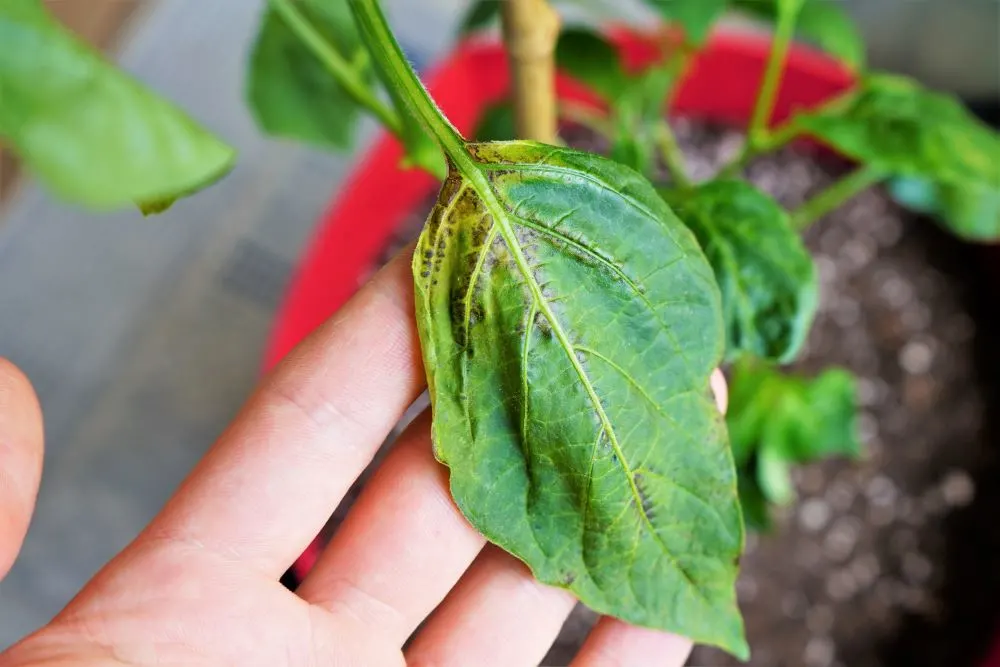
(588, 116)
(400, 76)
(671, 153)
(770, 141)
(829, 199)
(530, 32)
(785, 29)
(343, 71)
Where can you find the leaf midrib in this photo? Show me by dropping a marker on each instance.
(469, 168)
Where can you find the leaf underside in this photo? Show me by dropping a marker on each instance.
(290, 91)
(570, 324)
(90, 132)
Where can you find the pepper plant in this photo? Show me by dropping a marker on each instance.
(570, 311)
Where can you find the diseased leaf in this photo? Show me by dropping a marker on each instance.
(695, 16)
(821, 22)
(766, 275)
(291, 93)
(592, 60)
(569, 324)
(480, 15)
(796, 419)
(91, 133)
(971, 212)
(896, 126)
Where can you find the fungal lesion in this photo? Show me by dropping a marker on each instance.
(643, 499)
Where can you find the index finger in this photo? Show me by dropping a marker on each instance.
(269, 484)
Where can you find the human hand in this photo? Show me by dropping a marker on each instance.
(200, 584)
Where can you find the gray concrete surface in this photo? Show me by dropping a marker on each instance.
(143, 336)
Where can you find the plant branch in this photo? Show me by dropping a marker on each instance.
(831, 198)
(530, 32)
(403, 80)
(772, 74)
(671, 153)
(586, 115)
(344, 72)
(770, 141)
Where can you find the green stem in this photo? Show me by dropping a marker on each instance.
(846, 188)
(672, 155)
(589, 117)
(401, 77)
(772, 75)
(337, 65)
(771, 141)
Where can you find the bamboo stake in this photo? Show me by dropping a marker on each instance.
(530, 31)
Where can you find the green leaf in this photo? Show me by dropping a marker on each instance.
(820, 22)
(756, 510)
(774, 475)
(570, 324)
(480, 15)
(898, 127)
(497, 124)
(971, 212)
(291, 93)
(793, 418)
(695, 16)
(766, 275)
(91, 133)
(593, 61)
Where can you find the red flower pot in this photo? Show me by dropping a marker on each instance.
(721, 86)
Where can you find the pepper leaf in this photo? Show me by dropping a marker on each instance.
(820, 22)
(695, 16)
(971, 212)
(765, 273)
(91, 133)
(795, 419)
(497, 123)
(774, 475)
(480, 15)
(756, 510)
(895, 125)
(592, 60)
(569, 325)
(290, 91)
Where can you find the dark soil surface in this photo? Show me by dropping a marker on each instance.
(894, 559)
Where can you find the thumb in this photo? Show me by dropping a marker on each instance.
(20, 460)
